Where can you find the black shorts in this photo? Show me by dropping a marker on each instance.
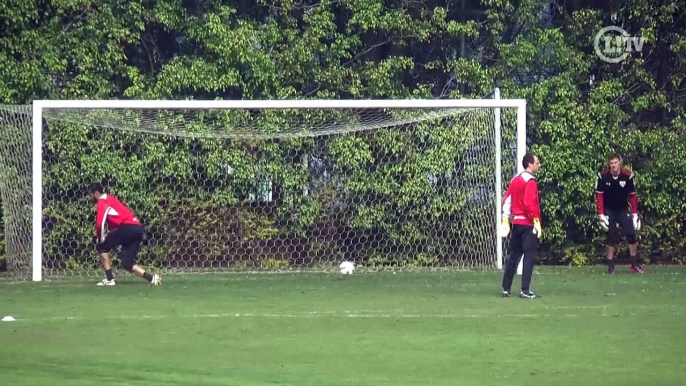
(129, 237)
(622, 217)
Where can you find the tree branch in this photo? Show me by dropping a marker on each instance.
(368, 50)
(78, 17)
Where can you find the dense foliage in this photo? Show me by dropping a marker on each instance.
(580, 108)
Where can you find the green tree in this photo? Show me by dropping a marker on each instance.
(579, 109)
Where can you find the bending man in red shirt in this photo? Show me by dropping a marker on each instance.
(125, 231)
(522, 204)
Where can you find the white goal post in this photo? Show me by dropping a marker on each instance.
(40, 107)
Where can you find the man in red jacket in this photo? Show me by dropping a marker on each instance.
(522, 204)
(125, 231)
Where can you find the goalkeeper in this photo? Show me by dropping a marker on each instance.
(612, 190)
(127, 232)
(522, 203)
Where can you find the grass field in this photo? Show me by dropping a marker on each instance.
(366, 329)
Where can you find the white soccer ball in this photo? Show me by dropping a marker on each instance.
(347, 268)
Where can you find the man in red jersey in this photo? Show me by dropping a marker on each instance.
(522, 204)
(613, 188)
(126, 231)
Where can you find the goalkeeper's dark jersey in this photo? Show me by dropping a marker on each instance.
(615, 193)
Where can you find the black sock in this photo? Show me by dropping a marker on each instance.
(147, 276)
(634, 260)
(108, 274)
(611, 264)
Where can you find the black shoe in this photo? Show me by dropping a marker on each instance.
(506, 294)
(527, 295)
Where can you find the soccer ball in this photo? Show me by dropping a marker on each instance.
(347, 268)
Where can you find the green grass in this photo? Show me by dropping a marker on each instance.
(367, 329)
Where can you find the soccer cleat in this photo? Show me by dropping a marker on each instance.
(527, 295)
(156, 280)
(611, 270)
(106, 283)
(636, 268)
(506, 294)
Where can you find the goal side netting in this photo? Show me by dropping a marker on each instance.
(268, 189)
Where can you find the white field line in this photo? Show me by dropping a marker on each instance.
(546, 312)
(291, 316)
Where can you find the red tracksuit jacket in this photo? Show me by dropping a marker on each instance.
(113, 213)
(521, 202)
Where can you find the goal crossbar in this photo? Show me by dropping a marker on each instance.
(279, 104)
(39, 106)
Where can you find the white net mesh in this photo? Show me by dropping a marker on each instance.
(15, 188)
(262, 190)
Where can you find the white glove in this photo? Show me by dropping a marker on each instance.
(537, 228)
(605, 222)
(504, 228)
(637, 222)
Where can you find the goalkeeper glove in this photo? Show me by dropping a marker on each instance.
(637, 222)
(504, 228)
(605, 222)
(537, 228)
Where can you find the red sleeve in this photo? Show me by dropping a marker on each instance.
(599, 188)
(600, 204)
(531, 200)
(100, 219)
(633, 200)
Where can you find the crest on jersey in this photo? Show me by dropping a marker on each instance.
(622, 183)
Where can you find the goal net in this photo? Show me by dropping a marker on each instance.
(259, 188)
